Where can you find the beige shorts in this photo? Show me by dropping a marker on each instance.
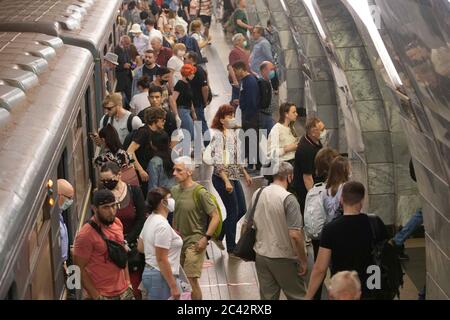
(192, 261)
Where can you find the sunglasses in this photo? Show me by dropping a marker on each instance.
(109, 108)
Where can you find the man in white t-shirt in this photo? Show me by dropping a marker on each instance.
(152, 32)
(122, 120)
(140, 100)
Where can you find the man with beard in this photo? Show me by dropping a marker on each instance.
(102, 279)
(149, 69)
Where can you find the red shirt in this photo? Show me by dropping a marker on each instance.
(163, 57)
(238, 54)
(108, 279)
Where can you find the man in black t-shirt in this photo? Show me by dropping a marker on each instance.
(346, 243)
(149, 69)
(200, 89)
(155, 99)
(304, 170)
(140, 148)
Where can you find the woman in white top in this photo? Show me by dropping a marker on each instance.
(283, 140)
(140, 101)
(162, 248)
(177, 61)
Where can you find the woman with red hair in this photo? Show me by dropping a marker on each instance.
(228, 170)
(181, 100)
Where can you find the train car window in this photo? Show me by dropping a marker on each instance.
(105, 50)
(110, 40)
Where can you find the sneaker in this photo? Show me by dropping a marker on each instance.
(219, 244)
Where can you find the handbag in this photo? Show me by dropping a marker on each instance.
(129, 176)
(136, 260)
(116, 251)
(244, 247)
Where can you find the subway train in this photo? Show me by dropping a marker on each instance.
(51, 88)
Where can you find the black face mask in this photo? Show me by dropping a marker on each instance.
(110, 184)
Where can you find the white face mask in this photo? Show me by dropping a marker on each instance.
(230, 123)
(66, 205)
(323, 136)
(181, 53)
(170, 205)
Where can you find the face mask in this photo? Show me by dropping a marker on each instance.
(170, 205)
(66, 205)
(272, 74)
(181, 54)
(323, 136)
(230, 123)
(110, 184)
(179, 36)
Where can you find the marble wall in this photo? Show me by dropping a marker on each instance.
(367, 102)
(417, 38)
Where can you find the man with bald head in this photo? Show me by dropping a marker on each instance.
(65, 200)
(267, 71)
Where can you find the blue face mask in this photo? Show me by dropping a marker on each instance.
(66, 205)
(272, 74)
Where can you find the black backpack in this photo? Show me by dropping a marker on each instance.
(386, 258)
(131, 132)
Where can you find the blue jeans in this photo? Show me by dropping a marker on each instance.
(234, 203)
(200, 112)
(413, 223)
(155, 284)
(266, 122)
(186, 121)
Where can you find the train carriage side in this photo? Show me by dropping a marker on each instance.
(45, 97)
(90, 24)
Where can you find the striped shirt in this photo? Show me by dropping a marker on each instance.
(205, 7)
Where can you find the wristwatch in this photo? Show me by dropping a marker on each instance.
(208, 237)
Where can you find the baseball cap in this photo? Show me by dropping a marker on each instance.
(103, 196)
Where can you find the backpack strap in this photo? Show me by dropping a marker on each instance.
(253, 208)
(105, 120)
(97, 228)
(373, 227)
(196, 195)
(130, 122)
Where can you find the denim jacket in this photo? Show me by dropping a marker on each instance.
(157, 175)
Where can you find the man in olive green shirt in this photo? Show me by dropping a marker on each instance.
(190, 221)
(240, 19)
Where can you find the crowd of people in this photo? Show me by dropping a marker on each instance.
(152, 222)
